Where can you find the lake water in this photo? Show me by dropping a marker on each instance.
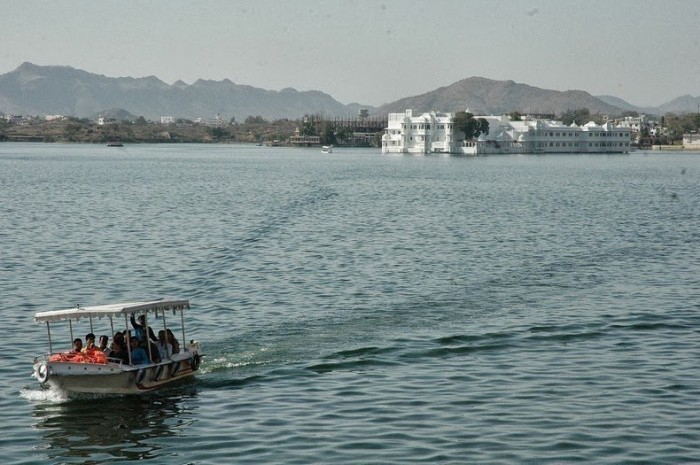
(362, 308)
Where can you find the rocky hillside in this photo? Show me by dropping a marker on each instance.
(486, 96)
(40, 90)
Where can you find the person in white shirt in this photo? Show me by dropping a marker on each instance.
(165, 349)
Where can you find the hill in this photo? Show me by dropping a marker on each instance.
(35, 90)
(486, 96)
(683, 104)
(40, 90)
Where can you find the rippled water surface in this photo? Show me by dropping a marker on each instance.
(360, 308)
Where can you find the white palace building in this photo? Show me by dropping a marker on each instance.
(433, 133)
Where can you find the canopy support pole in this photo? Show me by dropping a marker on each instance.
(182, 323)
(48, 330)
(148, 337)
(128, 338)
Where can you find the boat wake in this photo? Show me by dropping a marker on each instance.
(44, 396)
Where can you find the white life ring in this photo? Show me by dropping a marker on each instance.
(42, 373)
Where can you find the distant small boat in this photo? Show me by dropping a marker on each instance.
(327, 149)
(115, 144)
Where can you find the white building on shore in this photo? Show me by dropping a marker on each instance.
(691, 141)
(434, 133)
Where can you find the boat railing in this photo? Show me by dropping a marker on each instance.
(42, 357)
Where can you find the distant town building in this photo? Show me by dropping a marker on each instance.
(638, 124)
(300, 140)
(216, 121)
(167, 119)
(101, 121)
(13, 119)
(435, 133)
(635, 123)
(691, 141)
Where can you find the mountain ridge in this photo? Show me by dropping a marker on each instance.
(485, 96)
(56, 89)
(34, 89)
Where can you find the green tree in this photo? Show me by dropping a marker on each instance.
(308, 128)
(377, 141)
(471, 127)
(483, 126)
(345, 134)
(580, 116)
(644, 137)
(72, 130)
(328, 136)
(219, 134)
(515, 116)
(674, 126)
(255, 120)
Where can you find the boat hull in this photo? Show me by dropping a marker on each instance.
(114, 378)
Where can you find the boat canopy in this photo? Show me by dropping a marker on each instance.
(112, 310)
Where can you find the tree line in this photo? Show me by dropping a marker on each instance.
(256, 129)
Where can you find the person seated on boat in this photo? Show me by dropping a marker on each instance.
(173, 341)
(154, 355)
(91, 353)
(77, 346)
(142, 332)
(165, 349)
(89, 344)
(138, 355)
(104, 346)
(118, 348)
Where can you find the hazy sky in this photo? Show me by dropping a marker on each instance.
(369, 51)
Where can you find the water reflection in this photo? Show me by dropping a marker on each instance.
(99, 430)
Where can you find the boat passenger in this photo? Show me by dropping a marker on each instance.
(104, 346)
(77, 346)
(173, 341)
(118, 348)
(140, 330)
(165, 349)
(138, 355)
(89, 344)
(155, 353)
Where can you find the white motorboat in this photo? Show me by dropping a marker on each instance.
(76, 372)
(327, 149)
